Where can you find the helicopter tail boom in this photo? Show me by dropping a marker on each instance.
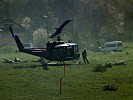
(19, 44)
(41, 52)
(17, 40)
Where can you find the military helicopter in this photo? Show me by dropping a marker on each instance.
(55, 50)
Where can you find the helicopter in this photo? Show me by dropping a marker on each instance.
(55, 50)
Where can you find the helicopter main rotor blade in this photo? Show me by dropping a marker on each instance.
(58, 30)
(64, 24)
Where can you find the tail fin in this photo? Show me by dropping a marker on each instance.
(17, 40)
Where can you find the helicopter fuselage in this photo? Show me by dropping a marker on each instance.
(60, 52)
(63, 52)
(55, 50)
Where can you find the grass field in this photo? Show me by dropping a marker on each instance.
(29, 81)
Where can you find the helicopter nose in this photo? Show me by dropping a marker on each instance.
(77, 55)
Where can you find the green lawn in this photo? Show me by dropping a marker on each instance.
(29, 81)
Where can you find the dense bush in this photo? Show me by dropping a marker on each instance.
(100, 68)
(110, 87)
(108, 65)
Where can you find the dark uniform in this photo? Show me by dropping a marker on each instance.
(84, 55)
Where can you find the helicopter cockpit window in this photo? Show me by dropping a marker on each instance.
(76, 48)
(69, 51)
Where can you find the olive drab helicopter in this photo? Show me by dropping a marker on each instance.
(55, 50)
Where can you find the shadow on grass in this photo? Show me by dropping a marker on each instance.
(21, 67)
(43, 66)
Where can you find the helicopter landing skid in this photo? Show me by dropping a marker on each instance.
(60, 62)
(76, 62)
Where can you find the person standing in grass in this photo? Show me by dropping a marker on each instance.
(84, 56)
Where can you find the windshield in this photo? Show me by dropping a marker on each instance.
(76, 49)
(119, 44)
(110, 45)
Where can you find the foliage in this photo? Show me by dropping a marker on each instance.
(100, 68)
(110, 87)
(92, 19)
(39, 38)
